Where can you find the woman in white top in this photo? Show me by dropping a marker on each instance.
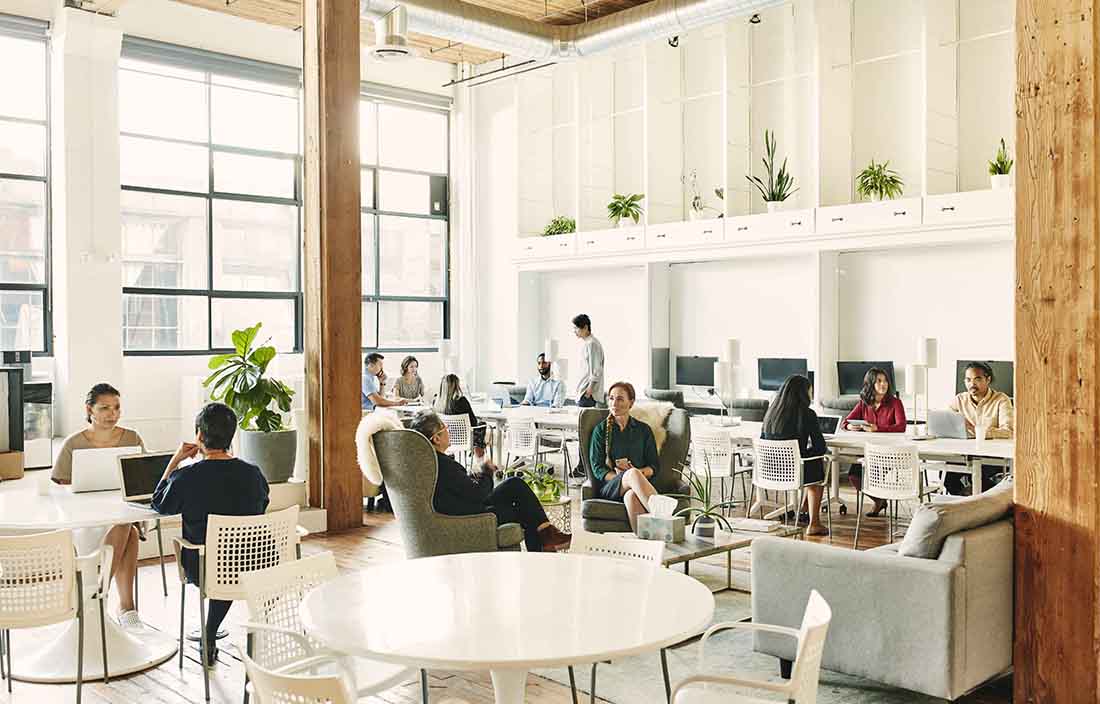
(102, 408)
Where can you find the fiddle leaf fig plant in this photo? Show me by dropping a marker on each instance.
(240, 381)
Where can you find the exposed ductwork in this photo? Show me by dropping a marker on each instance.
(390, 36)
(520, 37)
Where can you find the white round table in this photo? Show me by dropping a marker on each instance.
(24, 510)
(490, 611)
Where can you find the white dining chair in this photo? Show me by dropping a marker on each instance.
(462, 435)
(619, 548)
(801, 688)
(278, 642)
(778, 465)
(522, 441)
(234, 545)
(282, 688)
(713, 450)
(893, 473)
(42, 583)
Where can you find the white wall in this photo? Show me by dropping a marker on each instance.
(960, 295)
(769, 304)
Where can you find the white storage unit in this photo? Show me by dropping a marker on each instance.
(685, 234)
(862, 217)
(970, 207)
(546, 247)
(623, 239)
(748, 228)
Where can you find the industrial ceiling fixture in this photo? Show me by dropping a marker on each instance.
(755, 19)
(391, 41)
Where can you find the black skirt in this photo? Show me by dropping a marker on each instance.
(611, 489)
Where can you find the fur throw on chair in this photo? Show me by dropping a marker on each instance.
(379, 419)
(654, 414)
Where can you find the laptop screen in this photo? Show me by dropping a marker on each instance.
(141, 473)
(828, 424)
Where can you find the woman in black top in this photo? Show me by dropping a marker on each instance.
(790, 417)
(451, 402)
(218, 484)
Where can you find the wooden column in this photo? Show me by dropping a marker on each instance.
(333, 276)
(1058, 369)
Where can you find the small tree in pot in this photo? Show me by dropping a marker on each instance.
(239, 381)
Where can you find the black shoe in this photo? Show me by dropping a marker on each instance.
(383, 506)
(211, 658)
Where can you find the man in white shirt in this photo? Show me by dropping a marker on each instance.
(544, 390)
(590, 388)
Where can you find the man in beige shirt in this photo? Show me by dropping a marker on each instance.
(983, 405)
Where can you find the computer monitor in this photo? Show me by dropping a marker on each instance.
(850, 375)
(695, 371)
(771, 372)
(1004, 378)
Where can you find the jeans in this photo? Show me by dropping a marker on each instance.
(512, 501)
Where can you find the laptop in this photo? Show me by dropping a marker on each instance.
(946, 424)
(96, 469)
(140, 474)
(828, 424)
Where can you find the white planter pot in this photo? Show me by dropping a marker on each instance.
(274, 453)
(1000, 181)
(773, 205)
(625, 223)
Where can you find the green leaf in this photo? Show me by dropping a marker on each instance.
(242, 339)
(262, 356)
(220, 359)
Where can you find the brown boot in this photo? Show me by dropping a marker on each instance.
(880, 504)
(553, 540)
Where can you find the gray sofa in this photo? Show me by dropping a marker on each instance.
(749, 409)
(941, 626)
(409, 468)
(843, 404)
(602, 516)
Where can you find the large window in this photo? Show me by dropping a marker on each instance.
(24, 187)
(211, 193)
(405, 225)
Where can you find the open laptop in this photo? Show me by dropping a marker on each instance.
(946, 424)
(96, 469)
(828, 425)
(140, 474)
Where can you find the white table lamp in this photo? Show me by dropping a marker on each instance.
(562, 365)
(550, 348)
(733, 352)
(927, 352)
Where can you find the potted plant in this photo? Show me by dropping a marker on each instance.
(240, 380)
(701, 503)
(698, 205)
(543, 483)
(622, 207)
(1000, 167)
(561, 225)
(879, 182)
(780, 184)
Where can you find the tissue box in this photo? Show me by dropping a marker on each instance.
(11, 465)
(667, 528)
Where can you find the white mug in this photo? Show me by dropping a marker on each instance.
(980, 431)
(44, 482)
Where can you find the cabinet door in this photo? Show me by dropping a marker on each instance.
(970, 207)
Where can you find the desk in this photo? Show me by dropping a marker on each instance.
(566, 418)
(23, 510)
(490, 611)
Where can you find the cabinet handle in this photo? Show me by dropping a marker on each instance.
(631, 238)
(708, 232)
(743, 228)
(947, 209)
(796, 223)
(838, 219)
(899, 213)
(662, 236)
(590, 242)
(563, 245)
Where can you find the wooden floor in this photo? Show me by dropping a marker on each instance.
(378, 541)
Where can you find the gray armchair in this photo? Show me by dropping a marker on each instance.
(603, 516)
(676, 398)
(410, 469)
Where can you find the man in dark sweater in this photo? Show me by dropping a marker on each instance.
(457, 493)
(219, 484)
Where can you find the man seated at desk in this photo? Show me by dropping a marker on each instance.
(371, 392)
(983, 405)
(544, 390)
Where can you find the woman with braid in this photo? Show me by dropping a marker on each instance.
(623, 455)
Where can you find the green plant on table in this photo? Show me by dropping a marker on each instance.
(701, 501)
(1001, 164)
(561, 225)
(240, 381)
(543, 483)
(622, 206)
(879, 181)
(779, 185)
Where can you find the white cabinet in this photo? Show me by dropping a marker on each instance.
(684, 234)
(624, 239)
(861, 217)
(749, 228)
(545, 247)
(970, 207)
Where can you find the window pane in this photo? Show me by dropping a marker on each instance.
(164, 322)
(155, 164)
(412, 256)
(244, 118)
(412, 139)
(163, 240)
(257, 86)
(22, 148)
(21, 321)
(256, 175)
(410, 323)
(24, 93)
(22, 232)
(229, 314)
(404, 193)
(255, 246)
(161, 69)
(368, 132)
(366, 181)
(162, 107)
(368, 221)
(370, 325)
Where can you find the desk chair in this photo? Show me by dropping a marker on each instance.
(713, 449)
(283, 688)
(893, 473)
(779, 466)
(462, 435)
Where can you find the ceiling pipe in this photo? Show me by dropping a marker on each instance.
(526, 38)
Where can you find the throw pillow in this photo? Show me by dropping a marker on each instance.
(932, 523)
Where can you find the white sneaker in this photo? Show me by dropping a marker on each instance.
(130, 621)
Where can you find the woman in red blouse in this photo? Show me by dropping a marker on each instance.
(881, 411)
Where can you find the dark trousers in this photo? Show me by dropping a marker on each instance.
(953, 481)
(586, 401)
(512, 501)
(216, 609)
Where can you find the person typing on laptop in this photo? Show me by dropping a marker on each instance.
(218, 484)
(983, 405)
(102, 409)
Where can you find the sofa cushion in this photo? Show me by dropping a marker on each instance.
(760, 404)
(933, 523)
(841, 403)
(603, 509)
